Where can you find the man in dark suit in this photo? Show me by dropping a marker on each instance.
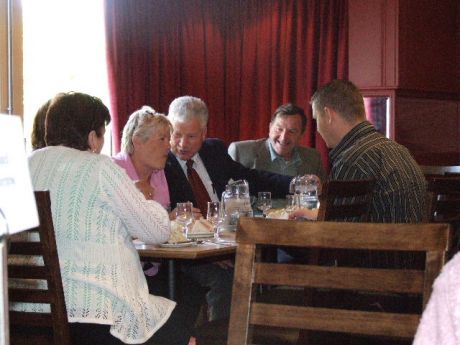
(209, 158)
(189, 116)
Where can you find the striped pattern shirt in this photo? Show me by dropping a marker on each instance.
(400, 186)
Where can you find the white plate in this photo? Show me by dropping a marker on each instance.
(200, 235)
(178, 244)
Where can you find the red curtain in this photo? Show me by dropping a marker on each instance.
(243, 58)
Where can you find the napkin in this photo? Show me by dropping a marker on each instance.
(201, 225)
(176, 233)
(278, 214)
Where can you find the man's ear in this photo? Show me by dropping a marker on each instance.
(92, 140)
(329, 115)
(204, 132)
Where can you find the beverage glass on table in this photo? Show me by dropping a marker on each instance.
(305, 189)
(291, 203)
(264, 202)
(184, 215)
(214, 216)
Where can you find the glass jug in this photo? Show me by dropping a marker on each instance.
(236, 202)
(305, 190)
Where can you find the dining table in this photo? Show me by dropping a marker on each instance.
(199, 250)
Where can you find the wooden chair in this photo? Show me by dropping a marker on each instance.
(346, 200)
(250, 272)
(340, 200)
(452, 174)
(349, 201)
(444, 205)
(37, 327)
(444, 198)
(439, 170)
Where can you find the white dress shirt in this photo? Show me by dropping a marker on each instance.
(199, 167)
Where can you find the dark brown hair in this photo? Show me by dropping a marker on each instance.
(71, 117)
(289, 109)
(38, 128)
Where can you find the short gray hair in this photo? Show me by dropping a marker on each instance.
(142, 124)
(185, 108)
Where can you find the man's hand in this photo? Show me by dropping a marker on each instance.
(304, 213)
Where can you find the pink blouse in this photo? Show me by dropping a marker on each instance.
(157, 180)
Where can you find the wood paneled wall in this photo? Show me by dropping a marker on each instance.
(409, 50)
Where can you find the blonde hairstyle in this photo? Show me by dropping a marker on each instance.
(142, 124)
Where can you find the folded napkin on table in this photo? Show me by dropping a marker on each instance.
(278, 214)
(202, 225)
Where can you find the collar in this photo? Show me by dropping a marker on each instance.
(360, 130)
(274, 156)
(196, 159)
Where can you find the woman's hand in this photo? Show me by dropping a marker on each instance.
(304, 213)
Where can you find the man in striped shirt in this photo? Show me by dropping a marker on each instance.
(360, 152)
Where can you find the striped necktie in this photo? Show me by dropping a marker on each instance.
(199, 190)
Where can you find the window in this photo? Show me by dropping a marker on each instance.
(63, 50)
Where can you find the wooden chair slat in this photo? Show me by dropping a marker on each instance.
(345, 200)
(30, 319)
(28, 272)
(398, 237)
(337, 320)
(402, 281)
(26, 248)
(30, 295)
(239, 313)
(30, 325)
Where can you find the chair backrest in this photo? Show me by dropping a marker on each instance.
(24, 247)
(443, 198)
(250, 273)
(346, 200)
(432, 170)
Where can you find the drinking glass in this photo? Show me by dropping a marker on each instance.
(214, 216)
(184, 215)
(291, 203)
(264, 202)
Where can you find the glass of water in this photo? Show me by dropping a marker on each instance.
(184, 215)
(291, 203)
(214, 216)
(264, 202)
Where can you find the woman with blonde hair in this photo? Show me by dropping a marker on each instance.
(144, 150)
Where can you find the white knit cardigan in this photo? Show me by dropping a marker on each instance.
(96, 212)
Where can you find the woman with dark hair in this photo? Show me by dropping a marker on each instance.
(38, 127)
(96, 211)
